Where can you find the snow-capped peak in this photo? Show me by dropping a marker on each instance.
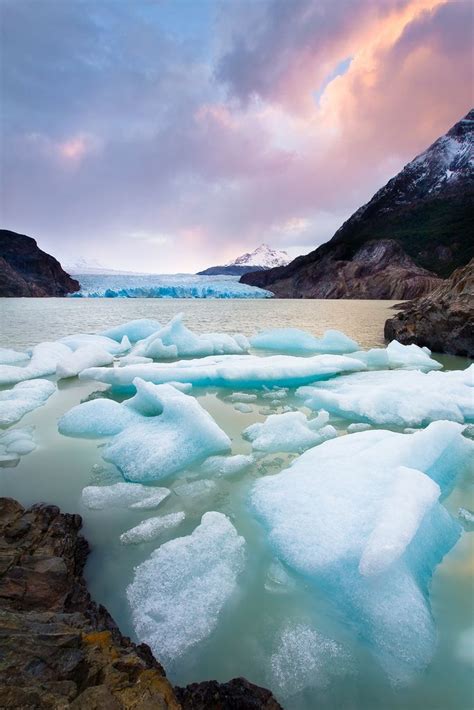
(263, 256)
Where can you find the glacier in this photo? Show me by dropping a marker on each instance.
(359, 517)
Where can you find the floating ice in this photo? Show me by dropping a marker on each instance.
(86, 356)
(467, 518)
(123, 495)
(404, 398)
(134, 360)
(14, 444)
(80, 340)
(151, 528)
(176, 340)
(157, 432)
(11, 357)
(358, 426)
(397, 356)
(289, 432)
(134, 330)
(178, 594)
(226, 465)
(293, 340)
(241, 397)
(194, 489)
(359, 517)
(232, 371)
(243, 408)
(23, 398)
(43, 362)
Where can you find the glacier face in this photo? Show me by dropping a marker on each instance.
(165, 286)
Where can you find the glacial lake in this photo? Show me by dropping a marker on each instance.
(344, 675)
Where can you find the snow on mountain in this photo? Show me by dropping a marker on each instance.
(93, 267)
(260, 259)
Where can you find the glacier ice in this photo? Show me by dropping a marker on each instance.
(176, 340)
(150, 529)
(85, 356)
(24, 397)
(157, 432)
(292, 432)
(231, 371)
(293, 340)
(137, 329)
(179, 592)
(398, 397)
(359, 517)
(123, 495)
(11, 357)
(80, 340)
(15, 443)
(398, 356)
(43, 362)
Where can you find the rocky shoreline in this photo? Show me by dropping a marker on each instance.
(60, 649)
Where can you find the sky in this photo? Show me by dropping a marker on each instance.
(169, 135)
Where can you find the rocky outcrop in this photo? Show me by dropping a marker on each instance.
(427, 209)
(379, 269)
(59, 649)
(25, 270)
(443, 320)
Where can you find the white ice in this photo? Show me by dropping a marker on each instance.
(181, 590)
(11, 357)
(398, 356)
(293, 340)
(23, 398)
(158, 432)
(151, 529)
(359, 517)
(85, 356)
(80, 340)
(292, 432)
(16, 443)
(243, 408)
(43, 362)
(123, 495)
(134, 330)
(403, 398)
(226, 465)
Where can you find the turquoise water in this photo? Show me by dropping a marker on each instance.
(241, 645)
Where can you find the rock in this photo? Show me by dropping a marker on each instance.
(426, 211)
(25, 270)
(60, 649)
(443, 320)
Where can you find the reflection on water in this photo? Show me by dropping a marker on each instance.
(270, 595)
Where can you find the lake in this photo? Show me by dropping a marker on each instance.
(269, 596)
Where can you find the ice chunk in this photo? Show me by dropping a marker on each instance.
(85, 356)
(16, 443)
(355, 519)
(467, 518)
(289, 432)
(123, 495)
(231, 371)
(43, 362)
(243, 408)
(404, 398)
(358, 426)
(175, 340)
(157, 432)
(11, 357)
(23, 398)
(292, 340)
(241, 397)
(195, 489)
(397, 356)
(81, 340)
(178, 594)
(226, 465)
(134, 360)
(133, 329)
(151, 528)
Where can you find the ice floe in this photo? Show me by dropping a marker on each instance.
(292, 432)
(123, 495)
(86, 356)
(226, 465)
(43, 362)
(151, 529)
(293, 340)
(359, 517)
(14, 444)
(24, 397)
(81, 340)
(11, 357)
(178, 594)
(403, 398)
(157, 432)
(398, 356)
(134, 330)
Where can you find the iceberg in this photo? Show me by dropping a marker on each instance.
(23, 398)
(14, 444)
(81, 340)
(43, 362)
(151, 528)
(398, 356)
(179, 592)
(11, 357)
(291, 432)
(293, 340)
(175, 340)
(123, 495)
(134, 330)
(87, 356)
(156, 433)
(359, 516)
(230, 371)
(402, 398)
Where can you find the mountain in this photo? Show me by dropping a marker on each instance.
(417, 228)
(26, 270)
(93, 267)
(261, 258)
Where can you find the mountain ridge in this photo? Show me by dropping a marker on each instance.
(261, 258)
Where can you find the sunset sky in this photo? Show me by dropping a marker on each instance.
(168, 135)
